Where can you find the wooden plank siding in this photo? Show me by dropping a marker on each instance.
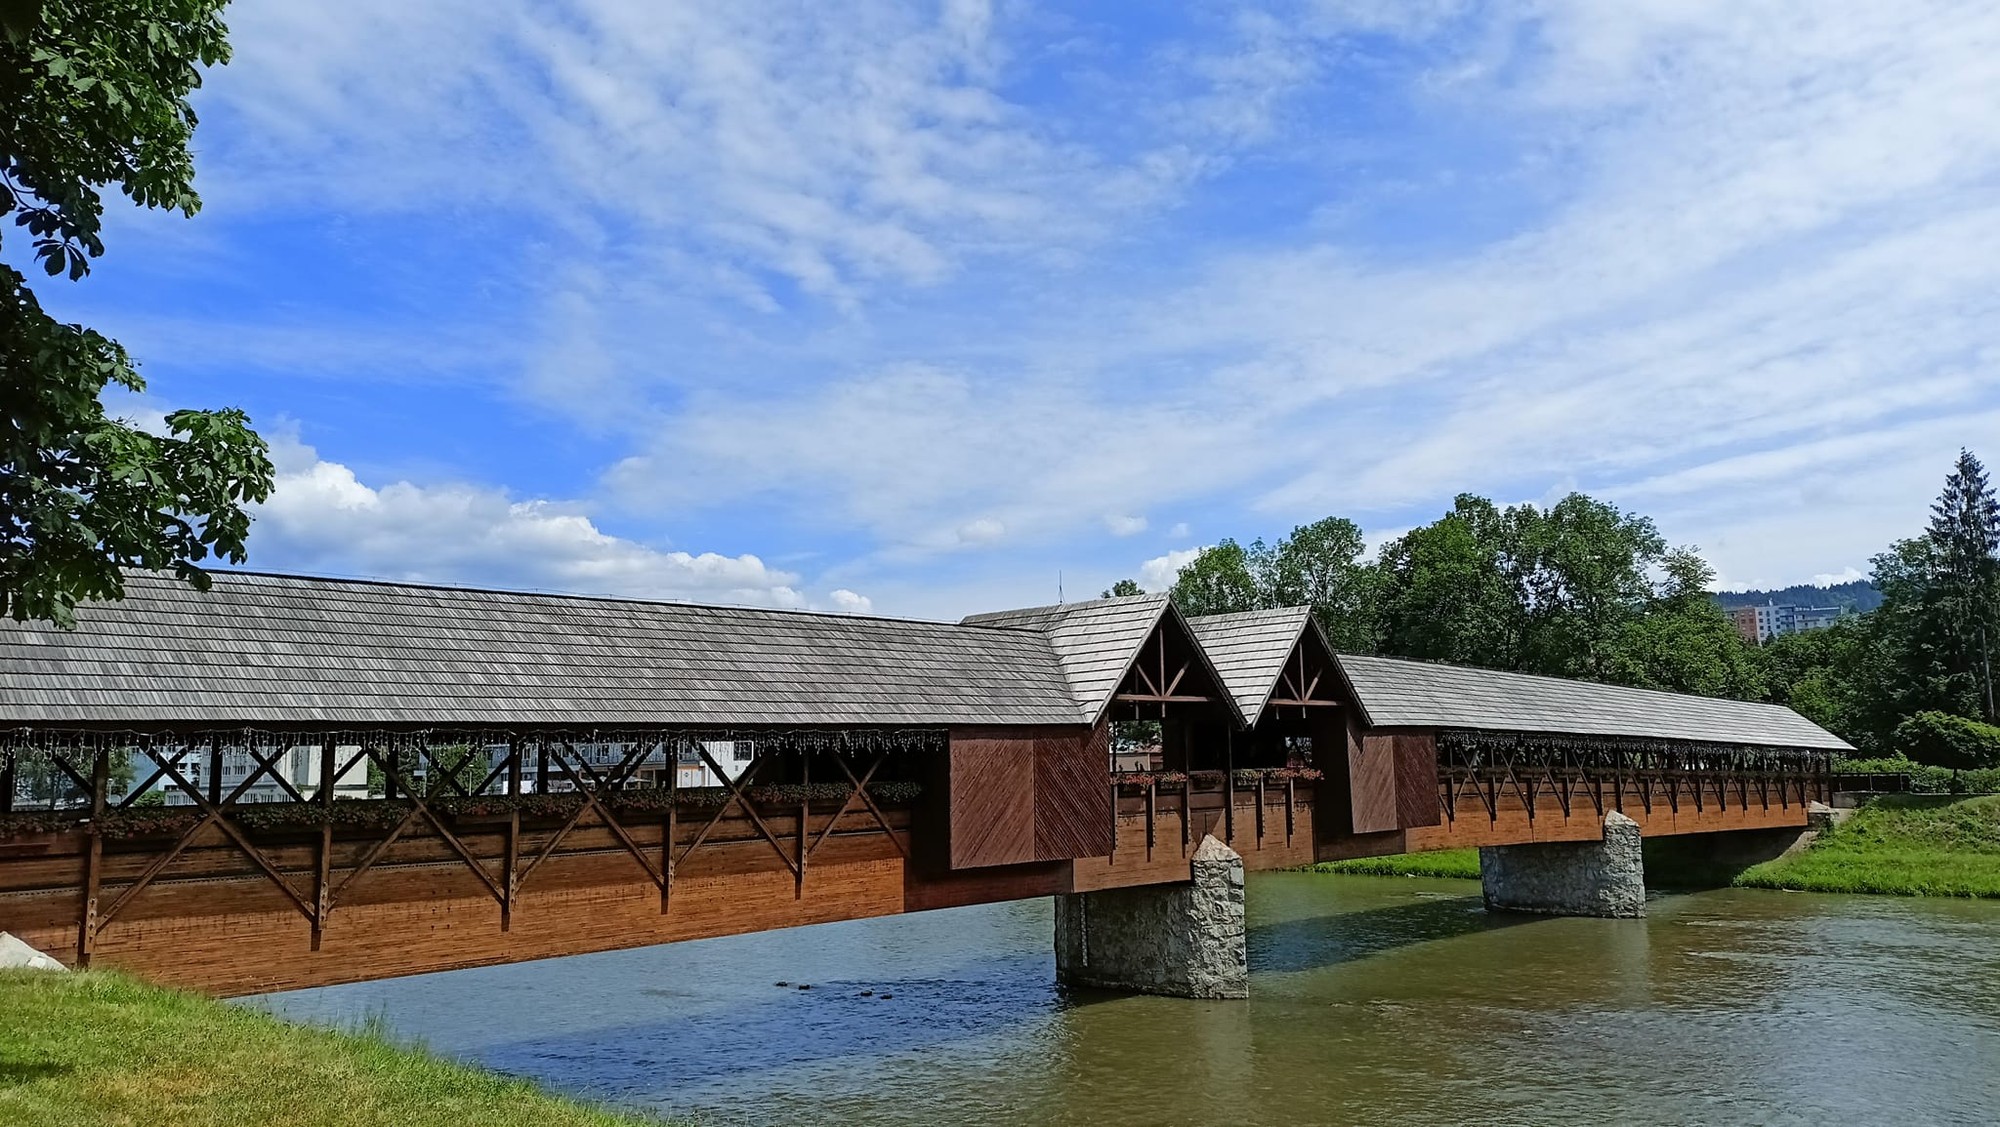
(1371, 776)
(1073, 795)
(1019, 795)
(990, 810)
(1417, 779)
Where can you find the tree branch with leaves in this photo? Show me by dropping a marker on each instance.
(94, 93)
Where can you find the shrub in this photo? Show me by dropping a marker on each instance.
(1925, 779)
(1943, 740)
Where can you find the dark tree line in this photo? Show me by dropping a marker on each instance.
(1583, 589)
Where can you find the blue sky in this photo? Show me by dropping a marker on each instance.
(914, 307)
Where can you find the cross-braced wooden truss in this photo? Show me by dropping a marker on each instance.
(1608, 774)
(432, 785)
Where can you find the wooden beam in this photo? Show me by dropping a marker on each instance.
(1138, 698)
(323, 860)
(511, 861)
(673, 758)
(868, 800)
(93, 859)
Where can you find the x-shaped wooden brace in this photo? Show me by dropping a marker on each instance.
(450, 776)
(418, 809)
(617, 778)
(598, 784)
(212, 815)
(736, 788)
(858, 788)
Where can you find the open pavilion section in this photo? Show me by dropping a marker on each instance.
(456, 777)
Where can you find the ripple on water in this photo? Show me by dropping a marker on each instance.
(1380, 1000)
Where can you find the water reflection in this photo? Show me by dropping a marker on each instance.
(1374, 1000)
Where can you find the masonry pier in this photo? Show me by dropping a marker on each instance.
(1569, 878)
(1181, 940)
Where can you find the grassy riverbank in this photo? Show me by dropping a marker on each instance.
(1914, 845)
(100, 1048)
(1456, 863)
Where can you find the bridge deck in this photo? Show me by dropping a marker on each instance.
(221, 922)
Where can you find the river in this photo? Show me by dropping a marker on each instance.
(1374, 1000)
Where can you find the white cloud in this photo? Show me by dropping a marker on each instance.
(985, 530)
(827, 147)
(321, 518)
(1125, 525)
(1742, 274)
(1159, 573)
(846, 600)
(1775, 236)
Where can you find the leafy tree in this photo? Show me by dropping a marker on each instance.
(1583, 570)
(37, 781)
(1319, 565)
(1222, 579)
(1943, 740)
(93, 93)
(1446, 591)
(1124, 588)
(1965, 572)
(1817, 672)
(1682, 642)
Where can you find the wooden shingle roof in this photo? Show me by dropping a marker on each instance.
(272, 650)
(269, 649)
(1249, 650)
(1095, 641)
(1418, 694)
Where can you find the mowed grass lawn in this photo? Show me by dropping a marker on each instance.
(99, 1048)
(1901, 845)
(1462, 864)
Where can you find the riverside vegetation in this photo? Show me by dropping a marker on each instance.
(1896, 845)
(100, 1048)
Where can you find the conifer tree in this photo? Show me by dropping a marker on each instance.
(1965, 538)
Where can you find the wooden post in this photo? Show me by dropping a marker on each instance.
(1291, 804)
(323, 863)
(1260, 811)
(7, 784)
(1229, 788)
(214, 772)
(392, 766)
(805, 809)
(1187, 794)
(1152, 794)
(541, 767)
(512, 880)
(93, 859)
(667, 835)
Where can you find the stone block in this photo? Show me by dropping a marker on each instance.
(1569, 878)
(16, 955)
(1183, 940)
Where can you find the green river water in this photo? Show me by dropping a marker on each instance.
(1375, 1000)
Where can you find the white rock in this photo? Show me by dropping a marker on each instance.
(15, 954)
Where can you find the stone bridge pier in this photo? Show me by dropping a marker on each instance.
(1182, 940)
(1569, 878)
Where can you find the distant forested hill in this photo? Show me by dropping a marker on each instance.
(1860, 596)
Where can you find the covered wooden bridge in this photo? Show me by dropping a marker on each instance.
(464, 777)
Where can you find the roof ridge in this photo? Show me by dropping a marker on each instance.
(1563, 680)
(982, 618)
(550, 595)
